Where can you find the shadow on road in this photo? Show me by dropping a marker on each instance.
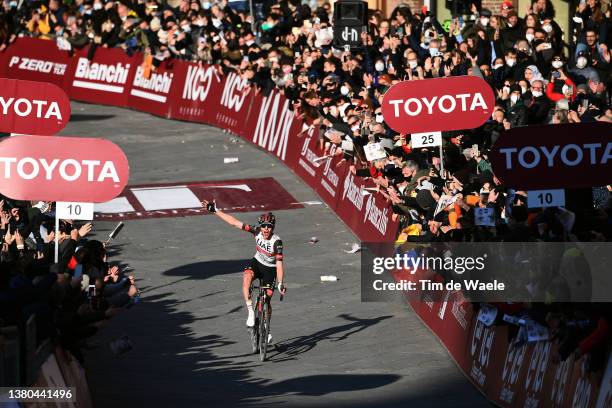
(290, 348)
(84, 117)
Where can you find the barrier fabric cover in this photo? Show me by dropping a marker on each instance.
(524, 376)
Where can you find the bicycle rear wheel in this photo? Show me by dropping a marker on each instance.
(264, 328)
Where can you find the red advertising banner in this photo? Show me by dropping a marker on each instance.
(452, 103)
(235, 103)
(32, 107)
(198, 93)
(153, 93)
(106, 79)
(62, 169)
(35, 60)
(569, 155)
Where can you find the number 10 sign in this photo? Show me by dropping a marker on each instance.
(74, 211)
(427, 139)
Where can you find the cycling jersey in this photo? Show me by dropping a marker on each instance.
(268, 251)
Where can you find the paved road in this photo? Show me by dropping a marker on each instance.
(191, 348)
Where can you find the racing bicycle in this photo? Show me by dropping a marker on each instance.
(261, 329)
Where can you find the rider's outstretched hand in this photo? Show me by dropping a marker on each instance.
(211, 207)
(281, 288)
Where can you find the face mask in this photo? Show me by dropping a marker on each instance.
(506, 89)
(523, 89)
(379, 119)
(529, 37)
(484, 22)
(186, 28)
(13, 4)
(581, 62)
(557, 64)
(498, 66)
(97, 6)
(536, 94)
(514, 98)
(412, 64)
(344, 90)
(547, 27)
(206, 6)
(510, 62)
(355, 128)
(380, 67)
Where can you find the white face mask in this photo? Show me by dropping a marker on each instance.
(510, 62)
(484, 22)
(97, 6)
(581, 62)
(557, 64)
(529, 37)
(506, 89)
(344, 90)
(380, 67)
(412, 64)
(186, 28)
(514, 98)
(547, 27)
(498, 66)
(523, 89)
(536, 94)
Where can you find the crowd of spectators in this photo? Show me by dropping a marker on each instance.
(539, 74)
(71, 298)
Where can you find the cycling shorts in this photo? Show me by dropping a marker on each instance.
(267, 274)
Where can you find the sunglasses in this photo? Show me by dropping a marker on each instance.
(267, 226)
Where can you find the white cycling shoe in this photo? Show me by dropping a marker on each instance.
(269, 338)
(251, 319)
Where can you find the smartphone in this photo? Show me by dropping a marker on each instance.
(91, 291)
(347, 48)
(116, 231)
(556, 74)
(78, 271)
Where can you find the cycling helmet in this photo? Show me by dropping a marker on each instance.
(267, 218)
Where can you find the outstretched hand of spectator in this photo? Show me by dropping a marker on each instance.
(18, 239)
(85, 229)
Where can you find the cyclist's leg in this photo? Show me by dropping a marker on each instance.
(250, 273)
(269, 279)
(247, 280)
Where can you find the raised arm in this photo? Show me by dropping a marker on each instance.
(211, 207)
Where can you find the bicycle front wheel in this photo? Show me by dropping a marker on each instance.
(264, 329)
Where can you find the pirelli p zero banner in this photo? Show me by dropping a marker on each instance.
(509, 376)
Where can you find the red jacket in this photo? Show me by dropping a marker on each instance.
(554, 96)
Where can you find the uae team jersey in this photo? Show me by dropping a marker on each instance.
(268, 251)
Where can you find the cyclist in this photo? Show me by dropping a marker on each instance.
(267, 264)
